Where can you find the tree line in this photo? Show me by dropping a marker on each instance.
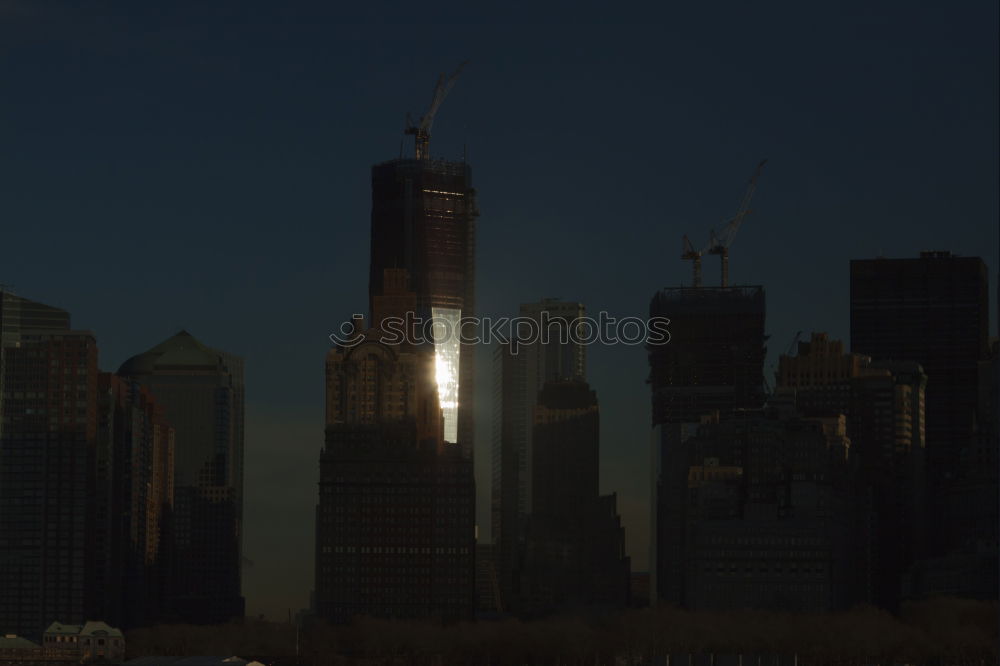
(940, 631)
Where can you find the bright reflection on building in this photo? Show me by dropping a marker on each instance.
(446, 349)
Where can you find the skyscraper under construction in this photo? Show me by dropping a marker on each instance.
(395, 522)
(423, 220)
(714, 363)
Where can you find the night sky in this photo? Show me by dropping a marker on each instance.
(206, 166)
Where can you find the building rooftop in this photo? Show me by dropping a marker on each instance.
(64, 629)
(14, 642)
(745, 298)
(96, 628)
(90, 628)
(182, 349)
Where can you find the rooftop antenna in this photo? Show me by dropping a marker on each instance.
(422, 128)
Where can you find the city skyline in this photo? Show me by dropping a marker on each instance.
(283, 346)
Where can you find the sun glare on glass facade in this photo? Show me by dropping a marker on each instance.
(446, 355)
(423, 220)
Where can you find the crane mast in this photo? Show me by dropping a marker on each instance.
(688, 253)
(720, 243)
(422, 128)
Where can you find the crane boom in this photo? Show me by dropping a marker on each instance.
(720, 243)
(422, 129)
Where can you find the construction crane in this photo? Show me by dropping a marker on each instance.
(788, 352)
(422, 129)
(720, 244)
(689, 253)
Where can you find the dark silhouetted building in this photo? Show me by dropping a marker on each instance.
(884, 402)
(970, 569)
(933, 310)
(423, 221)
(575, 545)
(200, 390)
(17, 314)
(133, 495)
(713, 363)
(488, 600)
(85, 481)
(766, 520)
(395, 523)
(47, 467)
(519, 372)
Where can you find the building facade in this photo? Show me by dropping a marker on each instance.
(766, 521)
(549, 353)
(714, 363)
(64, 644)
(884, 405)
(932, 310)
(200, 391)
(47, 467)
(85, 481)
(574, 553)
(395, 523)
(133, 494)
(423, 221)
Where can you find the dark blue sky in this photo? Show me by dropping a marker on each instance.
(180, 165)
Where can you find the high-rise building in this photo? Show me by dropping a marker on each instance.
(575, 545)
(85, 480)
(17, 314)
(971, 501)
(714, 362)
(200, 390)
(133, 496)
(884, 404)
(519, 373)
(47, 462)
(395, 526)
(423, 221)
(932, 310)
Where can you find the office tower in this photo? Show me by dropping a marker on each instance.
(395, 528)
(200, 391)
(574, 551)
(133, 496)
(519, 373)
(47, 459)
(16, 314)
(970, 501)
(423, 221)
(885, 406)
(932, 310)
(765, 524)
(714, 362)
